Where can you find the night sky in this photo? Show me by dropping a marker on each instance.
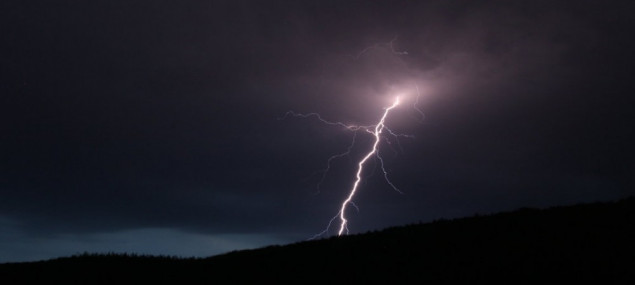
(155, 126)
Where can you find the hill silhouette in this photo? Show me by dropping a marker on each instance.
(581, 243)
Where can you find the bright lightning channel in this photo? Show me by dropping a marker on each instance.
(377, 133)
(375, 130)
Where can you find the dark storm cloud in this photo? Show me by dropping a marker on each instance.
(118, 116)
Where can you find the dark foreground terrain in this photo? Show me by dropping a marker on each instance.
(583, 243)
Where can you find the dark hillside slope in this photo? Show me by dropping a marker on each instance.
(593, 242)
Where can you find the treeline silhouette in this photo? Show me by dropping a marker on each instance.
(581, 243)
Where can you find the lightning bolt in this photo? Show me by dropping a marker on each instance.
(376, 131)
(360, 168)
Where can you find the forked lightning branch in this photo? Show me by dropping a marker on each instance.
(377, 130)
